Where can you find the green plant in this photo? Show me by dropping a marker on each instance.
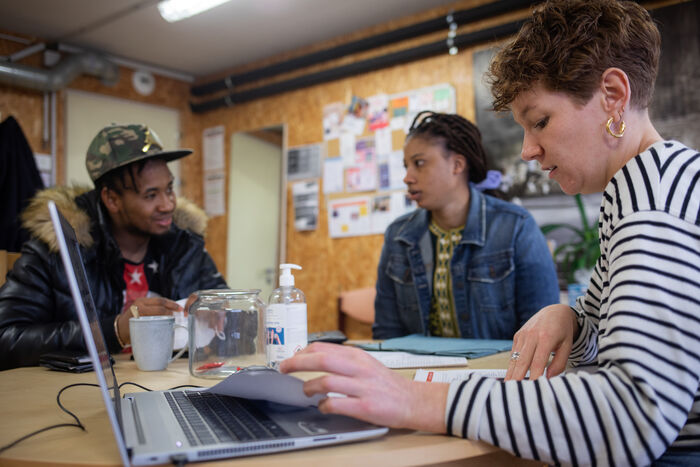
(583, 251)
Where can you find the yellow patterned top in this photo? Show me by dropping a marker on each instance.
(443, 319)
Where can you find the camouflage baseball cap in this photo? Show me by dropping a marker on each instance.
(118, 145)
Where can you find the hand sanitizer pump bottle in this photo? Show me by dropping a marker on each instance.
(285, 319)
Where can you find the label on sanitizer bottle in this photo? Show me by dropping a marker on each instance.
(285, 331)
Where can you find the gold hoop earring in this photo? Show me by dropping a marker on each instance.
(611, 132)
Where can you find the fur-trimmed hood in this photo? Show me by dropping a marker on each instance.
(36, 218)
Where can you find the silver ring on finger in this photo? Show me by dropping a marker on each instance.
(514, 356)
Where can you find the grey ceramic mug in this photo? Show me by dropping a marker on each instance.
(152, 341)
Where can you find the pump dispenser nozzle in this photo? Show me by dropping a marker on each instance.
(286, 278)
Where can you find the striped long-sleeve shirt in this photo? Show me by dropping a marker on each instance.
(639, 322)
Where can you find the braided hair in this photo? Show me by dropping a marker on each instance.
(458, 134)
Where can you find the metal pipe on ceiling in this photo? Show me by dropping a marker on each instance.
(58, 77)
(459, 17)
(365, 66)
(26, 52)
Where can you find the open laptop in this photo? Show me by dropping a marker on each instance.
(186, 426)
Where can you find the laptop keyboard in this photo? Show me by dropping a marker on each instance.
(208, 418)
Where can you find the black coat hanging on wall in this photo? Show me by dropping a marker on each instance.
(19, 182)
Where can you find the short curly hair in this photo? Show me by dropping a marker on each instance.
(568, 44)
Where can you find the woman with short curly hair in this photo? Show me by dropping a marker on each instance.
(578, 78)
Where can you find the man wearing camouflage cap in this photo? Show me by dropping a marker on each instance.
(141, 247)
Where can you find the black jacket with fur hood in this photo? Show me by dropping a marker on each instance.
(37, 314)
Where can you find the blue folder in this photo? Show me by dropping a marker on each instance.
(449, 346)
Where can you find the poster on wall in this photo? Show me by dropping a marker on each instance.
(347, 149)
(364, 151)
(362, 177)
(305, 199)
(386, 207)
(368, 144)
(349, 217)
(333, 175)
(355, 120)
(382, 141)
(405, 106)
(332, 120)
(391, 171)
(378, 112)
(214, 194)
(304, 162)
(214, 175)
(213, 148)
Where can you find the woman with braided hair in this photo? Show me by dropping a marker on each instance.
(465, 264)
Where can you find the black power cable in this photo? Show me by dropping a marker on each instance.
(77, 423)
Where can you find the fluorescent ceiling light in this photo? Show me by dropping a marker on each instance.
(175, 10)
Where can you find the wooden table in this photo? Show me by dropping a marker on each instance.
(28, 403)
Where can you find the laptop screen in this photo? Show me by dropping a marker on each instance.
(86, 297)
(85, 310)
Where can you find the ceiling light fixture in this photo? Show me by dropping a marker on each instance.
(175, 10)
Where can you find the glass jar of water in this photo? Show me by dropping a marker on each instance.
(226, 332)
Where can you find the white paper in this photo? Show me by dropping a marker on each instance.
(332, 120)
(349, 217)
(361, 177)
(382, 140)
(181, 334)
(353, 124)
(409, 360)
(444, 99)
(213, 148)
(365, 151)
(377, 111)
(266, 384)
(333, 175)
(448, 376)
(423, 100)
(381, 213)
(347, 149)
(397, 123)
(383, 175)
(385, 208)
(214, 194)
(397, 172)
(305, 198)
(44, 162)
(403, 203)
(180, 340)
(304, 162)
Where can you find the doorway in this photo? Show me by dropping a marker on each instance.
(256, 209)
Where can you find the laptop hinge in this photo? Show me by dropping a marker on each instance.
(137, 419)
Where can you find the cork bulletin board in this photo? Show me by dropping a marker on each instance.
(362, 163)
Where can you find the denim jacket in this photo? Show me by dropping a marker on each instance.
(502, 272)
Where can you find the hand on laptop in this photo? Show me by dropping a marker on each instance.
(374, 393)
